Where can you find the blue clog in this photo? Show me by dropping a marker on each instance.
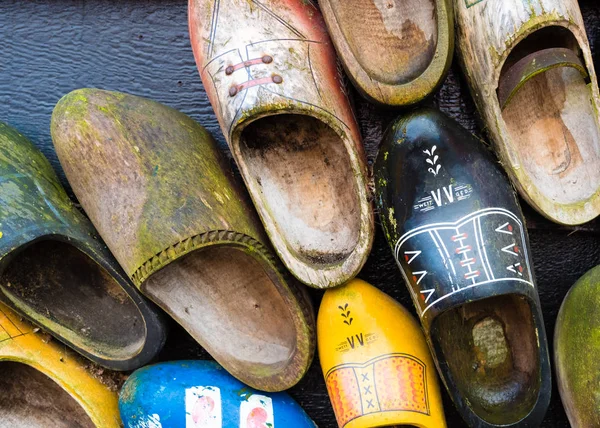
(201, 394)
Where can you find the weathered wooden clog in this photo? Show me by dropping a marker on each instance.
(576, 350)
(396, 52)
(532, 76)
(270, 72)
(201, 394)
(165, 201)
(56, 272)
(44, 385)
(375, 360)
(457, 232)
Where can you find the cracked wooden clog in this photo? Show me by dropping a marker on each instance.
(396, 52)
(201, 394)
(270, 72)
(375, 360)
(457, 232)
(56, 272)
(576, 350)
(532, 76)
(44, 385)
(166, 203)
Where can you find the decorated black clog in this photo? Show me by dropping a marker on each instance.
(56, 272)
(457, 232)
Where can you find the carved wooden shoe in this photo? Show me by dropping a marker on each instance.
(532, 76)
(56, 272)
(396, 52)
(375, 360)
(42, 384)
(202, 394)
(168, 206)
(456, 230)
(270, 73)
(576, 350)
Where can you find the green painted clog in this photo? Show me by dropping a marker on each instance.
(576, 350)
(157, 188)
(56, 272)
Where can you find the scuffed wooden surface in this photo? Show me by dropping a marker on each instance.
(142, 47)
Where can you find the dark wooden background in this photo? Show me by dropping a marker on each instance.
(48, 48)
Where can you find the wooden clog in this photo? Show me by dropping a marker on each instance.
(396, 52)
(165, 201)
(457, 232)
(532, 76)
(201, 394)
(55, 271)
(270, 72)
(44, 385)
(576, 350)
(375, 360)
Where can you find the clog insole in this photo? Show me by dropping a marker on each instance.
(225, 300)
(491, 349)
(553, 127)
(30, 399)
(394, 41)
(307, 185)
(52, 280)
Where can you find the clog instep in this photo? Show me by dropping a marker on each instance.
(55, 271)
(532, 76)
(42, 384)
(457, 232)
(270, 72)
(168, 206)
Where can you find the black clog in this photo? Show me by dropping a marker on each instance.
(457, 232)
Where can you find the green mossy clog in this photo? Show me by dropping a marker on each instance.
(161, 195)
(56, 272)
(576, 350)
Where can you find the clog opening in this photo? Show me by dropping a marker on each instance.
(224, 298)
(553, 124)
(66, 291)
(30, 399)
(305, 181)
(493, 356)
(394, 41)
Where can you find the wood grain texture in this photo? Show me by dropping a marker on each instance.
(142, 47)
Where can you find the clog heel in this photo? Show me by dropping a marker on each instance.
(44, 385)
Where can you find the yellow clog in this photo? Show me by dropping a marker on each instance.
(42, 384)
(375, 360)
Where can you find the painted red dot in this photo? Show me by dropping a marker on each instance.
(516, 249)
(510, 228)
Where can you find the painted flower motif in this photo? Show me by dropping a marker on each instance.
(432, 160)
(202, 412)
(257, 418)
